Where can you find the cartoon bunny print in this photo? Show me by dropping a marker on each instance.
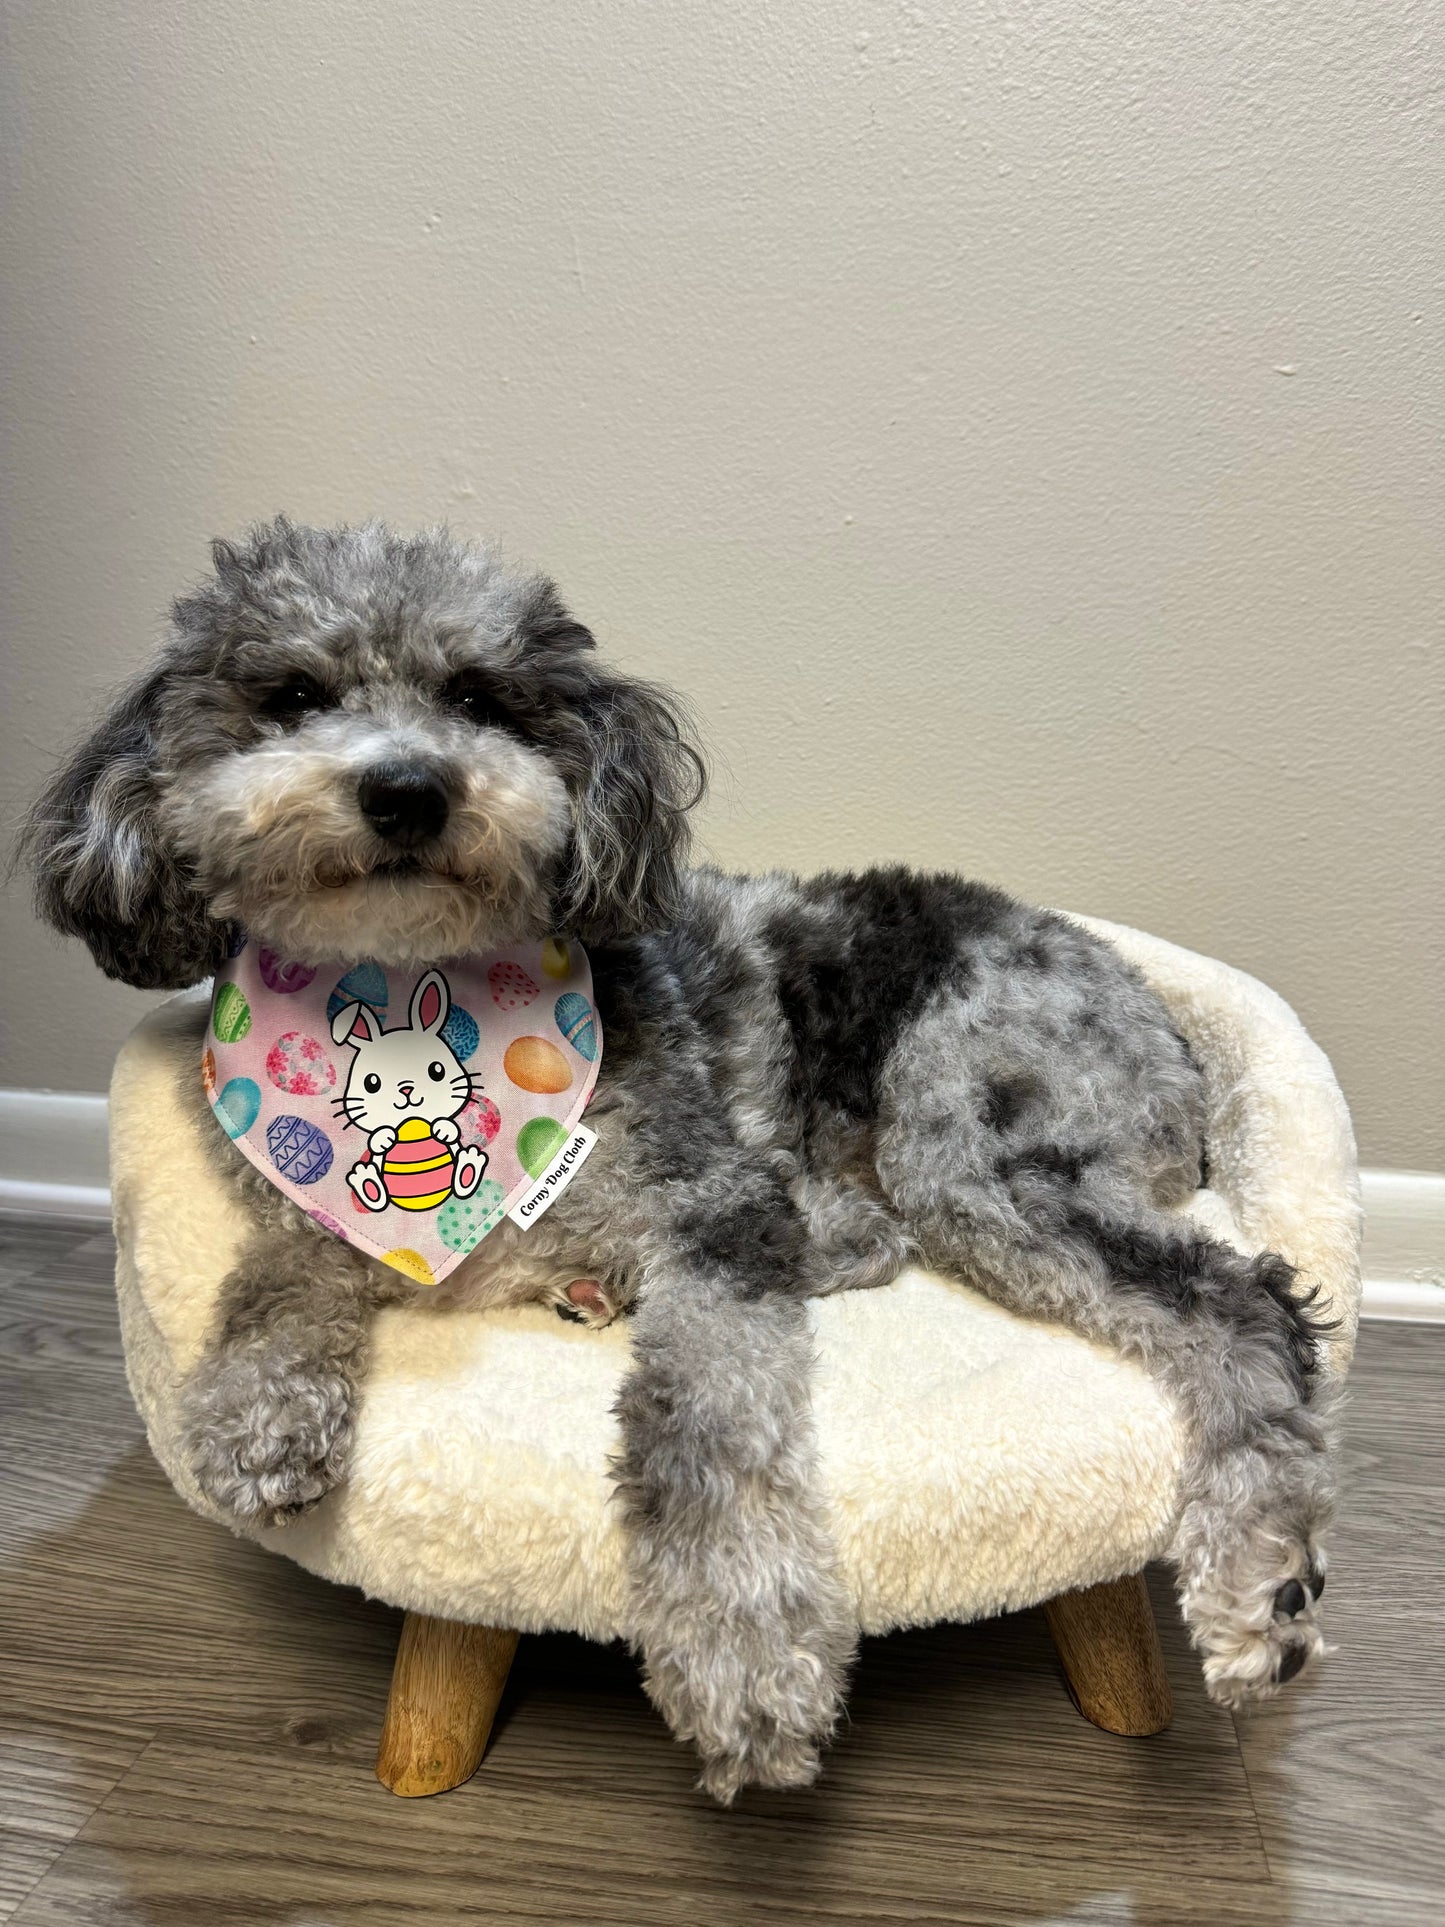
(408, 1086)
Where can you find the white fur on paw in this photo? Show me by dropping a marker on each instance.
(761, 1723)
(773, 1760)
(1251, 1644)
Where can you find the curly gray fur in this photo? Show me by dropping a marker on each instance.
(806, 1084)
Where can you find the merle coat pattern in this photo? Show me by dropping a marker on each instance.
(360, 746)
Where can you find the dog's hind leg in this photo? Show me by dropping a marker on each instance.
(1226, 1337)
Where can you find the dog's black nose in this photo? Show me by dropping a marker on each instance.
(402, 802)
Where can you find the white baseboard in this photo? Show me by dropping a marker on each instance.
(28, 1198)
(54, 1156)
(45, 1132)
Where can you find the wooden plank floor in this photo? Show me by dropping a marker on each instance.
(188, 1723)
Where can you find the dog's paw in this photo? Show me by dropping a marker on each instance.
(1257, 1636)
(586, 1301)
(265, 1439)
(758, 1689)
(770, 1759)
(764, 1712)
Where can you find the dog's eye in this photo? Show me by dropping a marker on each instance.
(371, 1082)
(436, 1072)
(298, 697)
(470, 697)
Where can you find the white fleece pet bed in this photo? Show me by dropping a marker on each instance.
(973, 1462)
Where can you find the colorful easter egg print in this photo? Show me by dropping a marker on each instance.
(298, 1065)
(364, 984)
(238, 1106)
(280, 976)
(538, 1142)
(412, 1263)
(230, 1015)
(511, 987)
(208, 1072)
(328, 1223)
(574, 1019)
(417, 1170)
(480, 1121)
(535, 1065)
(460, 1031)
(556, 958)
(299, 1151)
(463, 1222)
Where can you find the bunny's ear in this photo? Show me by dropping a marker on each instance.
(430, 1002)
(355, 1024)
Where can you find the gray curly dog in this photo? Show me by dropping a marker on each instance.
(355, 745)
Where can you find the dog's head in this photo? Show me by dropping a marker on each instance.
(359, 745)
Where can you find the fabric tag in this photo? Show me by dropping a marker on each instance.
(408, 1112)
(559, 1175)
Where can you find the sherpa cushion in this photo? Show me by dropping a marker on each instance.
(974, 1462)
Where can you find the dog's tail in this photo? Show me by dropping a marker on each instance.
(1197, 1277)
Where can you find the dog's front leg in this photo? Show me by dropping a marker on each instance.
(744, 1629)
(268, 1413)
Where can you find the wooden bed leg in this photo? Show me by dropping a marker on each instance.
(1109, 1647)
(445, 1686)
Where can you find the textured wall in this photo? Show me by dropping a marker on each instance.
(1018, 427)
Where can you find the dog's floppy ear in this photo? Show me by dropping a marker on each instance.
(640, 775)
(101, 871)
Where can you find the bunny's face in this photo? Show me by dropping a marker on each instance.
(396, 1074)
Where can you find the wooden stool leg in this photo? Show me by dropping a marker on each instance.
(1109, 1646)
(445, 1686)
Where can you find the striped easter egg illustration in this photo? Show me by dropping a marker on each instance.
(299, 1150)
(238, 1105)
(535, 1065)
(511, 987)
(230, 1014)
(574, 1019)
(363, 984)
(417, 1170)
(538, 1142)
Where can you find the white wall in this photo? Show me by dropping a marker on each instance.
(1018, 427)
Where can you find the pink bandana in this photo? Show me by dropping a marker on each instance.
(408, 1111)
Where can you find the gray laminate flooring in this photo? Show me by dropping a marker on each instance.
(188, 1723)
